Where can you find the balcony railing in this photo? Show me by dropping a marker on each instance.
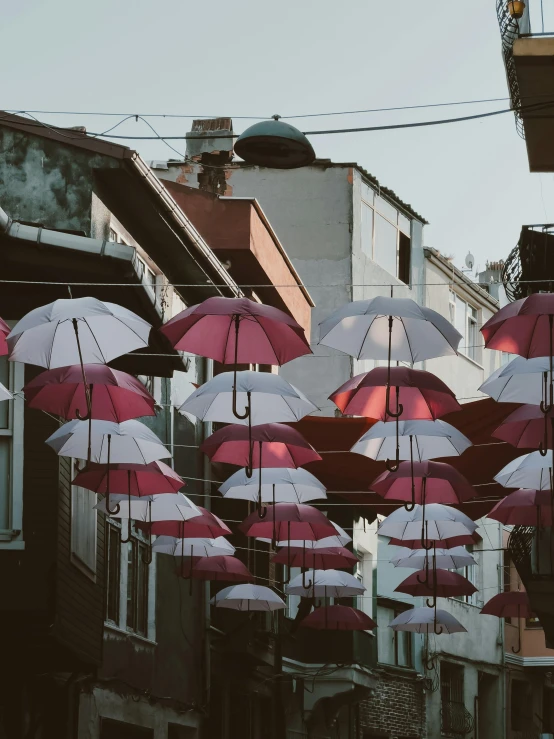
(529, 267)
(510, 30)
(456, 720)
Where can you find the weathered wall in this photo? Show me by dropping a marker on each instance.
(396, 709)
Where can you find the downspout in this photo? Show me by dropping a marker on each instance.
(208, 371)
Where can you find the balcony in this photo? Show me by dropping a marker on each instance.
(528, 52)
(344, 648)
(529, 267)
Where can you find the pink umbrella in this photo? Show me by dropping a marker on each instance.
(455, 541)
(527, 428)
(509, 605)
(4, 331)
(440, 584)
(206, 526)
(327, 558)
(237, 331)
(338, 618)
(289, 521)
(115, 396)
(225, 568)
(419, 395)
(524, 508)
(422, 483)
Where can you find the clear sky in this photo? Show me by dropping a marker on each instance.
(245, 58)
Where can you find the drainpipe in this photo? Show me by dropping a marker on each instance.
(208, 371)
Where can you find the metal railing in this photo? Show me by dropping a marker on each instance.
(456, 720)
(510, 30)
(538, 19)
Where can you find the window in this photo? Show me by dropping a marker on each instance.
(11, 457)
(120, 730)
(117, 237)
(83, 527)
(469, 572)
(137, 587)
(472, 333)
(521, 706)
(507, 571)
(464, 317)
(452, 696)
(146, 275)
(393, 647)
(113, 567)
(385, 235)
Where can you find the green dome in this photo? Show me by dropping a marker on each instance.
(275, 144)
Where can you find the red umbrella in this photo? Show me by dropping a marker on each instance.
(286, 521)
(274, 445)
(524, 508)
(225, 568)
(419, 394)
(338, 618)
(440, 584)
(115, 396)
(326, 558)
(509, 605)
(455, 541)
(527, 428)
(206, 526)
(4, 331)
(424, 483)
(237, 331)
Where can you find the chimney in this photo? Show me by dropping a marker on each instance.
(208, 142)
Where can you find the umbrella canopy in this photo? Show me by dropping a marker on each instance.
(524, 508)
(440, 584)
(286, 520)
(441, 522)
(193, 547)
(270, 399)
(422, 439)
(447, 559)
(266, 335)
(523, 327)
(421, 394)
(519, 381)
(339, 539)
(322, 558)
(531, 471)
(338, 618)
(205, 526)
(508, 605)
(248, 598)
(440, 482)
(4, 332)
(525, 428)
(47, 336)
(164, 507)
(455, 541)
(130, 441)
(426, 621)
(361, 329)
(279, 485)
(275, 445)
(115, 396)
(326, 584)
(130, 479)
(221, 568)
(5, 394)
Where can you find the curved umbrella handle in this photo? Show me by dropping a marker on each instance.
(399, 406)
(262, 512)
(87, 415)
(410, 506)
(249, 470)
(241, 416)
(431, 602)
(107, 501)
(149, 553)
(393, 466)
(429, 664)
(129, 527)
(305, 584)
(440, 631)
(425, 580)
(518, 650)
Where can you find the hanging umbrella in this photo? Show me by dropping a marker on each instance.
(455, 541)
(4, 333)
(326, 584)
(261, 396)
(531, 471)
(441, 584)
(338, 618)
(527, 428)
(286, 520)
(128, 478)
(520, 381)
(81, 331)
(447, 559)
(204, 526)
(339, 539)
(5, 394)
(418, 482)
(106, 442)
(248, 598)
(426, 621)
(193, 547)
(415, 440)
(419, 394)
(237, 331)
(115, 396)
(509, 605)
(221, 568)
(433, 522)
(279, 485)
(320, 558)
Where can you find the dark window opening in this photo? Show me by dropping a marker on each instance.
(404, 257)
(137, 587)
(119, 730)
(520, 706)
(452, 696)
(113, 560)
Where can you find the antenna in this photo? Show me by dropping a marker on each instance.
(470, 260)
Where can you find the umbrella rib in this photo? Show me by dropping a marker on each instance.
(365, 336)
(226, 344)
(269, 341)
(407, 338)
(52, 344)
(95, 339)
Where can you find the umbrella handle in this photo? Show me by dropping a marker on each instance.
(249, 470)
(87, 415)
(429, 664)
(440, 631)
(246, 414)
(410, 506)
(518, 650)
(107, 501)
(431, 602)
(393, 467)
(262, 512)
(399, 406)
(129, 527)
(149, 556)
(305, 584)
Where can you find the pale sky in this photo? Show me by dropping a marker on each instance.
(244, 58)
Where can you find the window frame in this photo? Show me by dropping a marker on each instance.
(13, 537)
(458, 671)
(473, 350)
(85, 567)
(471, 573)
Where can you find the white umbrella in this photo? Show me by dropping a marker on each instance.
(531, 471)
(80, 331)
(519, 381)
(389, 328)
(162, 507)
(327, 584)
(446, 559)
(5, 394)
(193, 547)
(420, 440)
(426, 621)
(339, 540)
(248, 598)
(262, 397)
(130, 441)
(432, 522)
(279, 485)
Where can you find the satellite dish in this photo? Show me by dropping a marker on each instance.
(470, 260)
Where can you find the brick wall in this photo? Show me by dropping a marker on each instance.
(395, 710)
